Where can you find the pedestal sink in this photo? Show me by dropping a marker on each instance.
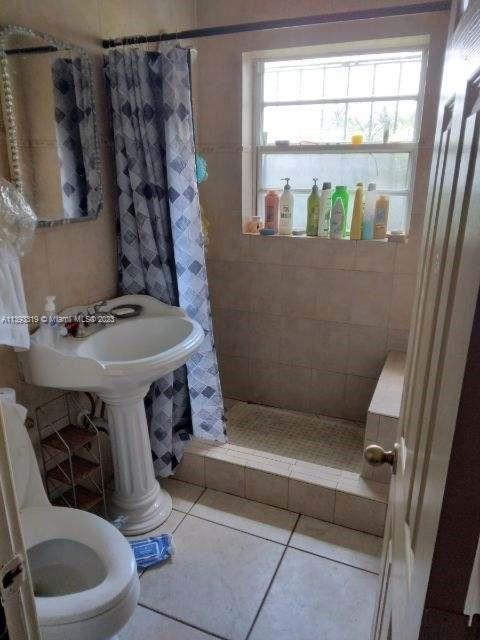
(119, 361)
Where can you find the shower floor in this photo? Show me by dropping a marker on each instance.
(322, 440)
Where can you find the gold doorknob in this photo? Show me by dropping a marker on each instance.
(376, 456)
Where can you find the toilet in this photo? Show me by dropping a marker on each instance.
(83, 571)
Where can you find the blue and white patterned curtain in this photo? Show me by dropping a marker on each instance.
(160, 239)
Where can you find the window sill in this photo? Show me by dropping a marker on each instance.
(402, 240)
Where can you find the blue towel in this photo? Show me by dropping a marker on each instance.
(152, 551)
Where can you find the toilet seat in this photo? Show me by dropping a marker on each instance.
(41, 524)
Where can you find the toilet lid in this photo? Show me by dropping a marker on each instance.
(92, 537)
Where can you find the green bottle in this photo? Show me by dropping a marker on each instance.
(313, 210)
(342, 193)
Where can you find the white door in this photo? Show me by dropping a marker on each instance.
(15, 583)
(447, 289)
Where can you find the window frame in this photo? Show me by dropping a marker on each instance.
(257, 60)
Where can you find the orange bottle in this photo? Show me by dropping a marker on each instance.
(271, 211)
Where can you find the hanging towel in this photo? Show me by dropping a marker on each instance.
(12, 301)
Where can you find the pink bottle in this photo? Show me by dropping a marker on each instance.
(271, 211)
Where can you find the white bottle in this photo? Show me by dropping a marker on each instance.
(48, 324)
(336, 219)
(286, 210)
(369, 212)
(325, 206)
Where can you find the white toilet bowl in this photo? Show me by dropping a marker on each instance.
(83, 571)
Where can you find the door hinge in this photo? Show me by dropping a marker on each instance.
(12, 576)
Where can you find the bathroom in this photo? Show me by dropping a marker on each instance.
(279, 498)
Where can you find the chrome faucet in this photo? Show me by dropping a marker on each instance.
(81, 332)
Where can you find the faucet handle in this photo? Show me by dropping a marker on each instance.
(98, 306)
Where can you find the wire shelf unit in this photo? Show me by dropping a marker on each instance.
(71, 454)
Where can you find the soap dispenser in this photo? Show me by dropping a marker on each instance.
(286, 210)
(48, 324)
(313, 210)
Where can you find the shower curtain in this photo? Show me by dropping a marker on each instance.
(160, 239)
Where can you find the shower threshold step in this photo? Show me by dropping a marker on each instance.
(331, 494)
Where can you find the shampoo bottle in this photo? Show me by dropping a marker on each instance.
(337, 219)
(325, 208)
(313, 210)
(381, 218)
(286, 210)
(271, 211)
(357, 217)
(342, 194)
(369, 212)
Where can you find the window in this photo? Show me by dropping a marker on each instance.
(306, 111)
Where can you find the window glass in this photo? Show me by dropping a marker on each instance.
(330, 99)
(387, 170)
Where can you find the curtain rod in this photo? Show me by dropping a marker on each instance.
(283, 23)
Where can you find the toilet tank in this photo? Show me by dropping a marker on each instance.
(26, 475)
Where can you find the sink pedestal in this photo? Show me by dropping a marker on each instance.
(137, 494)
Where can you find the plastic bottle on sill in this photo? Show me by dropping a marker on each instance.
(341, 193)
(313, 210)
(369, 212)
(286, 210)
(271, 211)
(325, 209)
(381, 218)
(337, 219)
(357, 217)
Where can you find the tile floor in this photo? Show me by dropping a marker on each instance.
(332, 442)
(246, 570)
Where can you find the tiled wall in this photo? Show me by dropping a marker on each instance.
(77, 262)
(301, 323)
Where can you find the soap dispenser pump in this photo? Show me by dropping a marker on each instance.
(286, 210)
(48, 322)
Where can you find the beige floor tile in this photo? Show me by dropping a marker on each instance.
(325, 539)
(360, 513)
(312, 598)
(184, 495)
(225, 476)
(217, 579)
(169, 526)
(311, 499)
(191, 469)
(264, 485)
(150, 625)
(246, 515)
(363, 487)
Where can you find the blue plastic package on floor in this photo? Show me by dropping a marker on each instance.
(152, 551)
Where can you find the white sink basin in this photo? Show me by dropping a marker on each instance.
(119, 361)
(126, 353)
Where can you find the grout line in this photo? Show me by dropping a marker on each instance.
(271, 581)
(179, 620)
(345, 564)
(248, 533)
